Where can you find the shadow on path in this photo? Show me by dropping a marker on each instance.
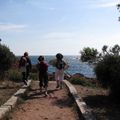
(36, 94)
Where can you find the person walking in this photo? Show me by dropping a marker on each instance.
(25, 67)
(43, 74)
(60, 65)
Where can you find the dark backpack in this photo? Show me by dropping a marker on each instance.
(42, 67)
(60, 65)
(22, 62)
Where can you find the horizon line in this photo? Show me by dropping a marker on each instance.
(52, 55)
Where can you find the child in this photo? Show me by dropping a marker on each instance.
(60, 67)
(43, 75)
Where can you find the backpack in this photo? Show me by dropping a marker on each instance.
(22, 61)
(60, 65)
(42, 67)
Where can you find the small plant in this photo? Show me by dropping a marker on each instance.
(82, 81)
(14, 75)
(34, 76)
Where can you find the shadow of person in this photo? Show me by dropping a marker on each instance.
(37, 94)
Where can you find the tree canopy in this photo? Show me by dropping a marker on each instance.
(6, 58)
(88, 54)
(108, 69)
(118, 7)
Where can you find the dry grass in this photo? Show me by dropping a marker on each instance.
(7, 89)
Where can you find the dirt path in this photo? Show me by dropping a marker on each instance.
(56, 106)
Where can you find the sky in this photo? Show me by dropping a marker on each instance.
(47, 27)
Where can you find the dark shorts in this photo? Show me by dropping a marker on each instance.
(43, 78)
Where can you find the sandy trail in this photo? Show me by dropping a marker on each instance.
(56, 106)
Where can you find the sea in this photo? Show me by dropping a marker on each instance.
(74, 62)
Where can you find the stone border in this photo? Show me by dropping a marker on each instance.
(82, 107)
(12, 102)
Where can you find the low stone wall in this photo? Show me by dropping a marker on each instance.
(11, 103)
(82, 107)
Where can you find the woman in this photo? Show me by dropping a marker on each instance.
(59, 72)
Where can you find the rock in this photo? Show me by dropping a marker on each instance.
(77, 75)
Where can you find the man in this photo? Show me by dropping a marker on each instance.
(25, 67)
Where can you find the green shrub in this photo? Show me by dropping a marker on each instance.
(88, 54)
(7, 58)
(14, 75)
(82, 81)
(34, 76)
(108, 73)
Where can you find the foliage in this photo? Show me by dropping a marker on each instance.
(34, 76)
(118, 7)
(52, 62)
(108, 70)
(7, 58)
(82, 81)
(88, 54)
(14, 75)
(115, 50)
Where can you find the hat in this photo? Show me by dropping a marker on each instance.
(59, 56)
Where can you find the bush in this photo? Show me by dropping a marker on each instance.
(34, 76)
(108, 73)
(7, 58)
(88, 54)
(14, 75)
(82, 81)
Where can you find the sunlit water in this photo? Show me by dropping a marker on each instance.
(75, 65)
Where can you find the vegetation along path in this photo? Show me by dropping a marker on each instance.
(56, 106)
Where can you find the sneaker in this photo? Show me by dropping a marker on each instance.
(25, 82)
(46, 94)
